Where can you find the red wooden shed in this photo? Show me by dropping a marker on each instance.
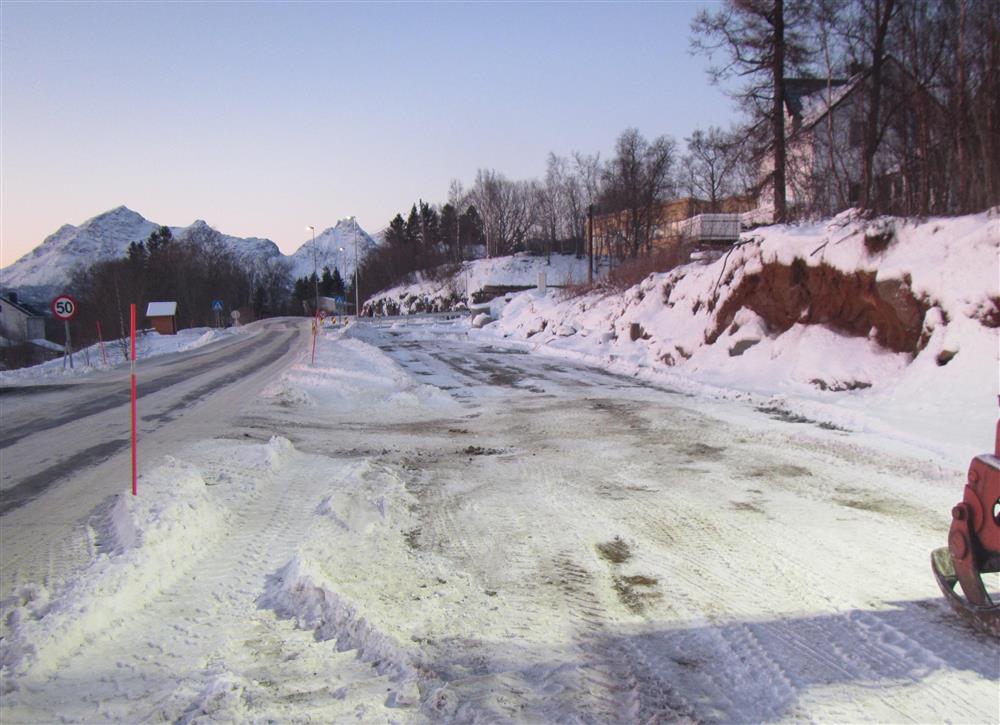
(163, 316)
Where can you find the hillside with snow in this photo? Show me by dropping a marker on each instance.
(433, 293)
(38, 274)
(888, 324)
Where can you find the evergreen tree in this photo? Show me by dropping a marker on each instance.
(137, 254)
(304, 292)
(429, 231)
(337, 287)
(159, 239)
(448, 230)
(470, 227)
(395, 234)
(326, 283)
(413, 227)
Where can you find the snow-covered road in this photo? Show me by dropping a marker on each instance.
(430, 526)
(73, 438)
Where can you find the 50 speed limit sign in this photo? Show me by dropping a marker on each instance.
(64, 307)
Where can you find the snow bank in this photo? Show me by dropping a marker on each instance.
(519, 270)
(223, 698)
(300, 591)
(352, 375)
(943, 398)
(141, 545)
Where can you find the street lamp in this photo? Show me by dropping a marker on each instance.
(343, 287)
(315, 267)
(357, 306)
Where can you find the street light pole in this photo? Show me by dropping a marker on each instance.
(343, 282)
(357, 307)
(315, 268)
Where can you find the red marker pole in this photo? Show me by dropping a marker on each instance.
(134, 436)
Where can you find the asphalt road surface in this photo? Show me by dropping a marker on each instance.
(64, 448)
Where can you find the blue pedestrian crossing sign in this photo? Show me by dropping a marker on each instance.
(217, 305)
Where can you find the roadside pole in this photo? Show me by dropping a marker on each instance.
(590, 244)
(100, 339)
(316, 319)
(65, 308)
(69, 347)
(134, 431)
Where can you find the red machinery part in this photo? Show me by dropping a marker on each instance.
(974, 544)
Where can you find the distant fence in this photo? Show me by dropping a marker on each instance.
(417, 318)
(757, 217)
(707, 228)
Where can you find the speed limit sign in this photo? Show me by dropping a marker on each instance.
(64, 307)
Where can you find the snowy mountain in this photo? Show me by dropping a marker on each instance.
(247, 249)
(50, 263)
(329, 244)
(46, 268)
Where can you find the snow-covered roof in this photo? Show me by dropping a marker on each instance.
(161, 309)
(816, 106)
(19, 306)
(799, 91)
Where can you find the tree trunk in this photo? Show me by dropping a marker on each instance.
(882, 17)
(778, 111)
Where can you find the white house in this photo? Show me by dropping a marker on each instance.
(824, 144)
(19, 323)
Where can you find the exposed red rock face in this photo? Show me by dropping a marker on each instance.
(851, 304)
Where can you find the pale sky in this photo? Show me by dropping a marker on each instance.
(264, 118)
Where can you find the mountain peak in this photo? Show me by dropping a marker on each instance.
(117, 216)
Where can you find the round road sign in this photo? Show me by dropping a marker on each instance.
(322, 314)
(64, 307)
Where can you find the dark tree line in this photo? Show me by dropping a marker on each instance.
(305, 289)
(437, 234)
(429, 237)
(192, 270)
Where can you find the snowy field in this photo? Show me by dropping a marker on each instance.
(435, 524)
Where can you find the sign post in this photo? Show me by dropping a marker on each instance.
(217, 309)
(65, 308)
(133, 385)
